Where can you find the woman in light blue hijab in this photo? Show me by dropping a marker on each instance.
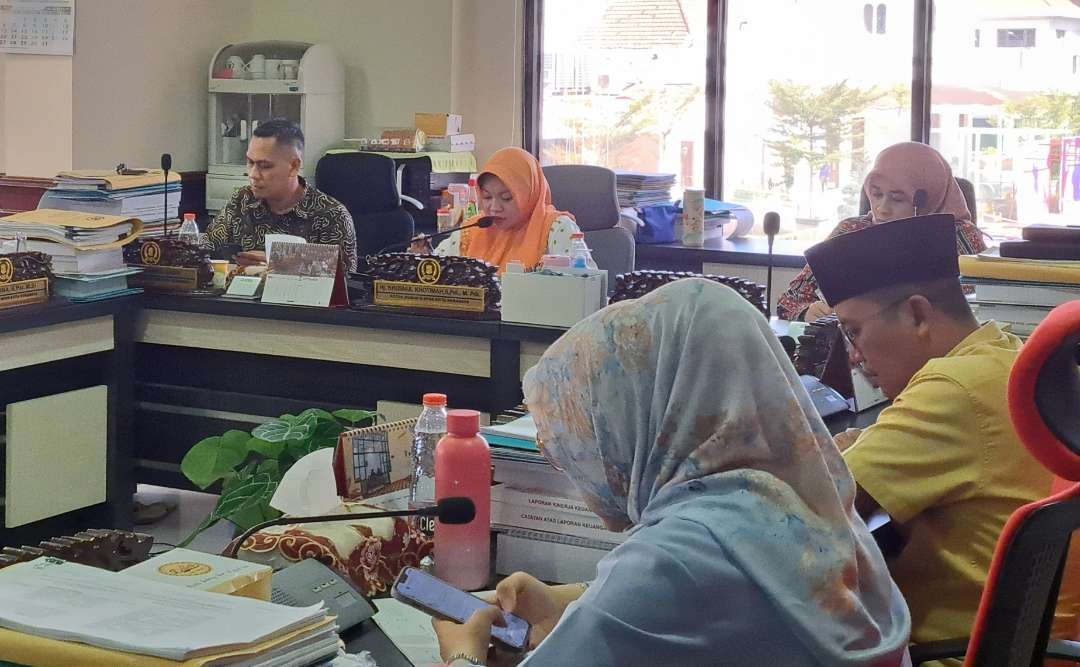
(680, 419)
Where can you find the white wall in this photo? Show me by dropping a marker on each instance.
(486, 55)
(136, 86)
(37, 115)
(396, 52)
(140, 75)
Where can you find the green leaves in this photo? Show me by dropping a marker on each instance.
(250, 466)
(214, 458)
(281, 430)
(356, 417)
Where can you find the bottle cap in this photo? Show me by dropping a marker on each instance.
(472, 181)
(577, 235)
(444, 210)
(463, 422)
(435, 400)
(189, 216)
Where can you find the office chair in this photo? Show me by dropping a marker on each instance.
(1012, 626)
(588, 192)
(966, 188)
(367, 184)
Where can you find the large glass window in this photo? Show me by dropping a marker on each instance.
(813, 93)
(623, 85)
(1009, 108)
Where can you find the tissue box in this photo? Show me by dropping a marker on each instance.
(438, 124)
(552, 300)
(206, 572)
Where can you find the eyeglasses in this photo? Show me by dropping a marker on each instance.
(852, 335)
(540, 447)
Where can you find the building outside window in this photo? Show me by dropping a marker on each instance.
(1021, 148)
(624, 85)
(624, 82)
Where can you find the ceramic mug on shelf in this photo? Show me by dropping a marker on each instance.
(290, 69)
(237, 66)
(257, 66)
(273, 68)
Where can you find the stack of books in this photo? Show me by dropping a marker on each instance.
(144, 196)
(86, 249)
(542, 525)
(638, 189)
(59, 613)
(1019, 292)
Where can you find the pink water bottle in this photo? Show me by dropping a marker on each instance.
(463, 468)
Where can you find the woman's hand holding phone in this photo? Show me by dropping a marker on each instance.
(471, 638)
(541, 605)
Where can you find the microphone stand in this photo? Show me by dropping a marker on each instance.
(482, 223)
(772, 228)
(166, 164)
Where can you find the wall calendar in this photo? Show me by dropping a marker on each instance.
(42, 27)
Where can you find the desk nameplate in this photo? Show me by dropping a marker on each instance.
(456, 298)
(165, 278)
(24, 292)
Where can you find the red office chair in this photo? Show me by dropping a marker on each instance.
(1012, 626)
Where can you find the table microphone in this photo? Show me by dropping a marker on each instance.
(166, 165)
(456, 510)
(920, 199)
(482, 223)
(772, 228)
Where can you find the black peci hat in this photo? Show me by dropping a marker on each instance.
(888, 254)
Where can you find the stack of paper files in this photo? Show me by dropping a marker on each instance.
(84, 231)
(637, 189)
(86, 249)
(543, 526)
(54, 613)
(1019, 292)
(145, 196)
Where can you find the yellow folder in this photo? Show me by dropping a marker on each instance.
(25, 649)
(114, 181)
(973, 267)
(47, 217)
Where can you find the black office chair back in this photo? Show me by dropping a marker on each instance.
(1018, 622)
(966, 189)
(367, 185)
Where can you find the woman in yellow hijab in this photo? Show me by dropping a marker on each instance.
(525, 227)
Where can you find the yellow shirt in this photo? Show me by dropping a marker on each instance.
(946, 464)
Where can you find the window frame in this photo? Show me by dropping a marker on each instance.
(715, 90)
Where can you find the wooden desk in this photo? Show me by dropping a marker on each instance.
(65, 388)
(204, 366)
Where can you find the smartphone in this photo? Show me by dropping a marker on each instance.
(434, 596)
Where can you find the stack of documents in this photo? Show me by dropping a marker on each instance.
(84, 231)
(58, 613)
(638, 189)
(145, 196)
(86, 249)
(1017, 292)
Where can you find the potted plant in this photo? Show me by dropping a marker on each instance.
(250, 466)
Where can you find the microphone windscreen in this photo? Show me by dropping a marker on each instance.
(485, 222)
(920, 198)
(771, 223)
(166, 161)
(456, 510)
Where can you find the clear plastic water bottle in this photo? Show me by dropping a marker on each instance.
(189, 230)
(430, 428)
(579, 252)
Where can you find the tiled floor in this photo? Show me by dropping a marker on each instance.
(191, 508)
